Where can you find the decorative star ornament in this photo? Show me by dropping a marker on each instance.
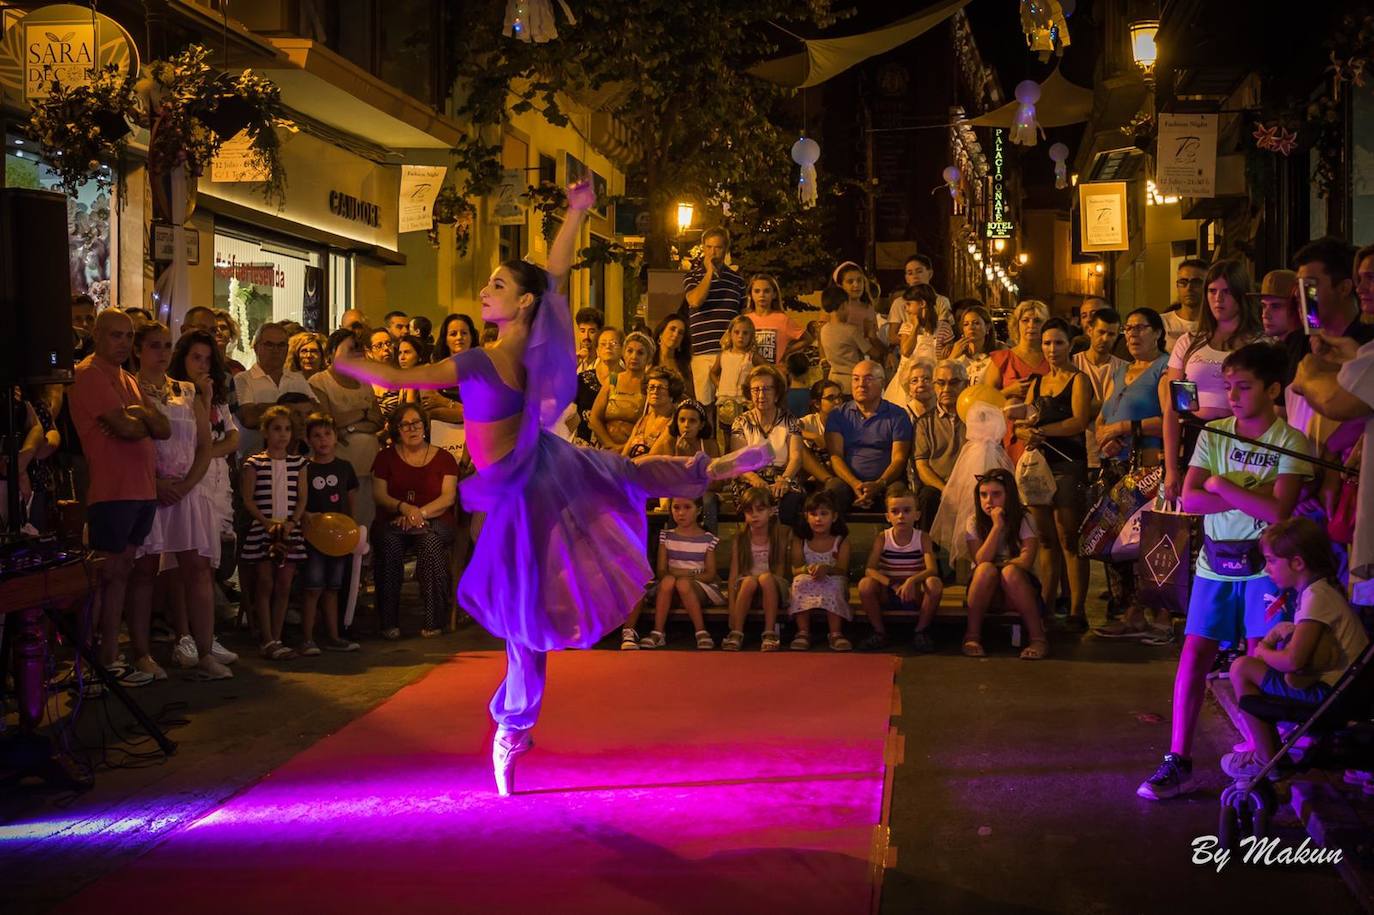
(1287, 141)
(1266, 137)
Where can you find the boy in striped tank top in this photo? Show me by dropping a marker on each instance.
(902, 573)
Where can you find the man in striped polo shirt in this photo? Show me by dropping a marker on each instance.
(715, 295)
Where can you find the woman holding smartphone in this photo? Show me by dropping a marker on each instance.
(1229, 321)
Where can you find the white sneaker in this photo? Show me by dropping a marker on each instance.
(184, 653)
(222, 654)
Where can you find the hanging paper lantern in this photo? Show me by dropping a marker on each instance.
(951, 174)
(806, 152)
(1025, 128)
(1059, 154)
(533, 20)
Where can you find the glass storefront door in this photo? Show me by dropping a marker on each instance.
(259, 281)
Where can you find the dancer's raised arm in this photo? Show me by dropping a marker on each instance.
(581, 198)
(429, 377)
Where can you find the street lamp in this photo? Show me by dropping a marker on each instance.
(1143, 48)
(1023, 258)
(999, 245)
(684, 216)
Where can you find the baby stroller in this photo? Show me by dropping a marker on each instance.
(1341, 724)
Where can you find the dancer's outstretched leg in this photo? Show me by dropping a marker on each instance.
(515, 709)
(663, 476)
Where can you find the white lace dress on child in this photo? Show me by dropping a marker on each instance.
(982, 452)
(190, 524)
(826, 593)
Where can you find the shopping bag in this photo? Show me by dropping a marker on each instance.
(1034, 478)
(1164, 568)
(452, 437)
(1111, 529)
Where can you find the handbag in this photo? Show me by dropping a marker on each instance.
(1164, 568)
(1111, 529)
(1233, 558)
(1034, 478)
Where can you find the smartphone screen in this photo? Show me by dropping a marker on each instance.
(1185, 396)
(1307, 302)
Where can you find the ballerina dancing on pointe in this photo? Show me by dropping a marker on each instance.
(561, 556)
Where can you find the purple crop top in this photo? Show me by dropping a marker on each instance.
(486, 397)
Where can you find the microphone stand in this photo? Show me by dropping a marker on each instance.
(1191, 421)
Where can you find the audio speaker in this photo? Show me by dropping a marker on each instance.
(35, 288)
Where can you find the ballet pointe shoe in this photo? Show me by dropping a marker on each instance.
(508, 746)
(745, 460)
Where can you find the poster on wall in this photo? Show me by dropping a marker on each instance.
(1102, 216)
(420, 185)
(235, 162)
(1186, 156)
(312, 299)
(507, 208)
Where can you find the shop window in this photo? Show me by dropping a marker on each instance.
(399, 41)
(90, 247)
(548, 169)
(259, 281)
(512, 243)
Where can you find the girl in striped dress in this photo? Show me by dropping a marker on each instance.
(686, 567)
(273, 485)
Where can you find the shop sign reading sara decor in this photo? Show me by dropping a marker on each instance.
(63, 42)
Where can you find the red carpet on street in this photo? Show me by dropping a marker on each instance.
(662, 781)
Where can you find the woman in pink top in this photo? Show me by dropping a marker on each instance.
(1010, 370)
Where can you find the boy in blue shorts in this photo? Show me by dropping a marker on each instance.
(330, 484)
(1240, 489)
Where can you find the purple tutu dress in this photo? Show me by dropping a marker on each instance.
(561, 556)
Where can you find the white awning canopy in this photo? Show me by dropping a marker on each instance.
(825, 58)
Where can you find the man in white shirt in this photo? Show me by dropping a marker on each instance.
(259, 387)
(1183, 316)
(1102, 329)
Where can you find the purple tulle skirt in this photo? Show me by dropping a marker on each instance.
(560, 559)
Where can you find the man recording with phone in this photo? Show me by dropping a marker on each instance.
(715, 295)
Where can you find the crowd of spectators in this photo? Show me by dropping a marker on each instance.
(192, 468)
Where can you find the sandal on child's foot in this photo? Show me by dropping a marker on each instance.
(972, 648)
(771, 642)
(431, 633)
(733, 642)
(1037, 650)
(276, 651)
(629, 640)
(704, 641)
(392, 635)
(654, 639)
(839, 643)
(801, 642)
(309, 649)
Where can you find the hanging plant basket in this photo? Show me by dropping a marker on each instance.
(232, 113)
(82, 130)
(192, 109)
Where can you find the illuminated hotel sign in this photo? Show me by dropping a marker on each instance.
(999, 225)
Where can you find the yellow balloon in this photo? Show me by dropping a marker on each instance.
(979, 393)
(333, 534)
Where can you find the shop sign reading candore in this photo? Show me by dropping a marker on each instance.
(63, 43)
(999, 223)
